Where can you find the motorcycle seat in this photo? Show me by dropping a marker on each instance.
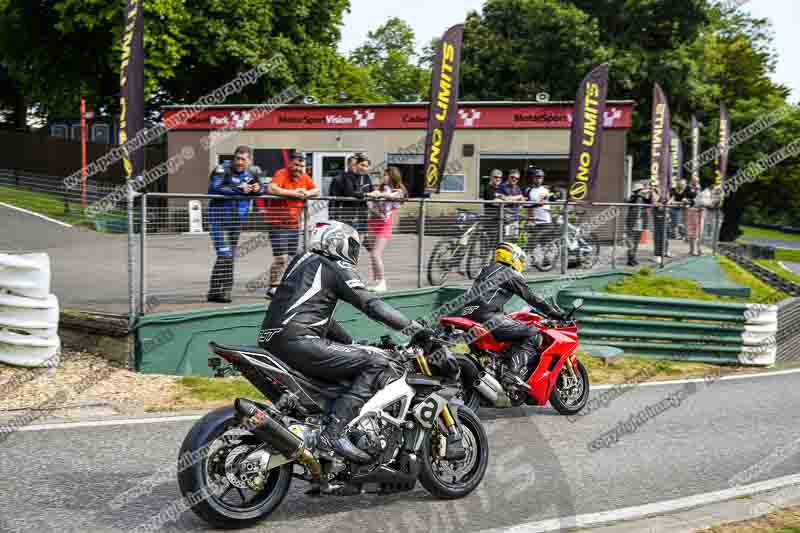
(326, 388)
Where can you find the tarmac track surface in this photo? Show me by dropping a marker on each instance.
(540, 466)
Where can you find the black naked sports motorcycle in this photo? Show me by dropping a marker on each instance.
(242, 459)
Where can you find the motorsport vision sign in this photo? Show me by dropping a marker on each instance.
(443, 111)
(587, 131)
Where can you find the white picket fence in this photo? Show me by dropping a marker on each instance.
(28, 312)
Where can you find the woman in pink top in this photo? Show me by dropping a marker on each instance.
(381, 220)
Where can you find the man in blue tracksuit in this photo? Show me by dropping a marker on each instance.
(225, 217)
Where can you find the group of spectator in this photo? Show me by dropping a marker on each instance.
(685, 210)
(536, 198)
(372, 213)
(372, 210)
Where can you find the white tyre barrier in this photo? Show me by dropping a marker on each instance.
(36, 316)
(29, 314)
(27, 350)
(759, 346)
(26, 275)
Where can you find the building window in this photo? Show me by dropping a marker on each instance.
(555, 166)
(453, 183)
(76, 132)
(410, 166)
(100, 133)
(59, 130)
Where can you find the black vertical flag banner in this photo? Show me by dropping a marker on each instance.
(676, 151)
(723, 146)
(695, 148)
(443, 106)
(132, 86)
(587, 132)
(660, 164)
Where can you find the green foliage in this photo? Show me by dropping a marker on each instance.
(388, 55)
(517, 48)
(762, 233)
(60, 50)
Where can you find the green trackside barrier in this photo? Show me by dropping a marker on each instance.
(670, 328)
(177, 342)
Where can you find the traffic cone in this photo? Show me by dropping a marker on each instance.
(643, 239)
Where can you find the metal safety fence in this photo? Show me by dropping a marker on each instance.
(201, 250)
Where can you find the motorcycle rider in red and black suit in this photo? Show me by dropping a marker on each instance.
(487, 308)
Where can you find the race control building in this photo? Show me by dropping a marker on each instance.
(489, 135)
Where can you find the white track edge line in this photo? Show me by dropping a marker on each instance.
(183, 418)
(698, 380)
(98, 423)
(36, 214)
(650, 509)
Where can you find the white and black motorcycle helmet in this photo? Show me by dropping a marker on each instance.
(337, 241)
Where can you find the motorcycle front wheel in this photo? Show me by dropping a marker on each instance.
(455, 479)
(569, 395)
(206, 485)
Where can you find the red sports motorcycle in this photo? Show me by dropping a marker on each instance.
(558, 377)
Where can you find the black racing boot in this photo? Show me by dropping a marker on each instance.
(333, 439)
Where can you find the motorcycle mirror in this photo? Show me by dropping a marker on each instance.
(578, 302)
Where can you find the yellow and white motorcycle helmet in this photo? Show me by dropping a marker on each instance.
(512, 255)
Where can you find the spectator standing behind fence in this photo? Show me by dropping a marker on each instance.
(694, 218)
(512, 192)
(636, 220)
(491, 213)
(283, 216)
(225, 218)
(381, 220)
(542, 231)
(354, 183)
(679, 200)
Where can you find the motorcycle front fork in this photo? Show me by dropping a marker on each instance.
(571, 368)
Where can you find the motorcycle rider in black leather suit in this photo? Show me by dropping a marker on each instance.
(496, 284)
(299, 328)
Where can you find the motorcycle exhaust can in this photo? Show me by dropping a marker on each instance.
(491, 382)
(488, 392)
(273, 433)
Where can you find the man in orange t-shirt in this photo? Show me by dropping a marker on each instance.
(283, 216)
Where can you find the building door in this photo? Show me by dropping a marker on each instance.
(326, 166)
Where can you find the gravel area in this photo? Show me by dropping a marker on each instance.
(83, 379)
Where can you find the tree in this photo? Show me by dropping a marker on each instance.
(517, 48)
(59, 50)
(388, 55)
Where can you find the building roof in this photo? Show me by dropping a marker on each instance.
(469, 103)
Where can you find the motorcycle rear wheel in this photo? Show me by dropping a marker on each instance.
(559, 397)
(194, 479)
(432, 472)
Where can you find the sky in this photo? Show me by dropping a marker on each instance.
(430, 19)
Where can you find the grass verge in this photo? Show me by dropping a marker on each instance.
(778, 269)
(622, 369)
(212, 389)
(44, 204)
(759, 291)
(750, 232)
(787, 254)
(645, 283)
